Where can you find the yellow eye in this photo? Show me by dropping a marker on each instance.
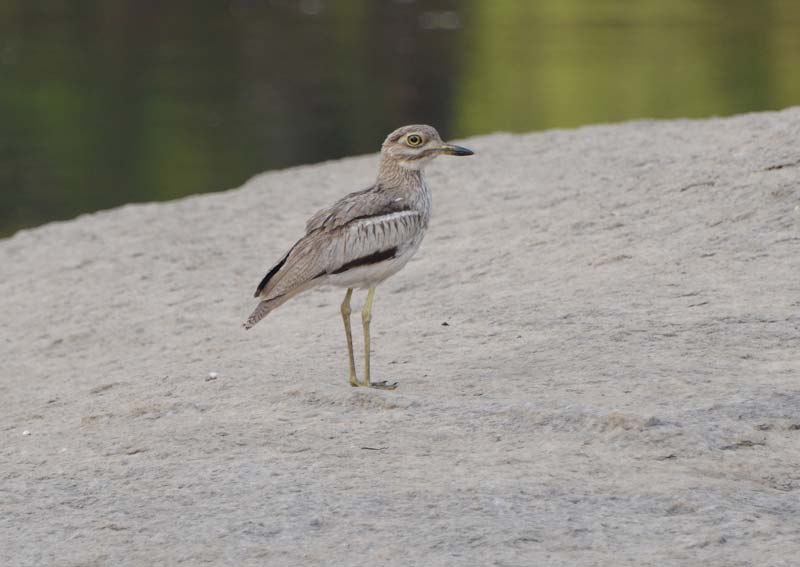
(414, 140)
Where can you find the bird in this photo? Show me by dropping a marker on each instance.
(364, 238)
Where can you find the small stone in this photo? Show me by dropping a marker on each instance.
(212, 376)
(26, 432)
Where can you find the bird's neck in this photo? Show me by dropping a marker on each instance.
(392, 173)
(409, 184)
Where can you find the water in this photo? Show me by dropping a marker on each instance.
(104, 102)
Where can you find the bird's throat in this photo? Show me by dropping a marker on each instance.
(400, 172)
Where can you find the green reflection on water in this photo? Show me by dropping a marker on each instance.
(560, 64)
(108, 102)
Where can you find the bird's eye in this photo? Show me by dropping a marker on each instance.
(414, 140)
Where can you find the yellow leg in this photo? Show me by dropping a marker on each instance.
(366, 317)
(346, 318)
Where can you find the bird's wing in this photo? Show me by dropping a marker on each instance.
(374, 201)
(361, 241)
(371, 239)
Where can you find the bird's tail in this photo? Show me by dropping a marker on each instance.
(262, 310)
(270, 304)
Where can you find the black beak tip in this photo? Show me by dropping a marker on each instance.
(462, 151)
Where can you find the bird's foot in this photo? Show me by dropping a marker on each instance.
(384, 385)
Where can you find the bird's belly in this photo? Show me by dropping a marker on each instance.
(372, 274)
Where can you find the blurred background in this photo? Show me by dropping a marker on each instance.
(105, 102)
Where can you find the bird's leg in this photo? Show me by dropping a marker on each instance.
(346, 318)
(366, 317)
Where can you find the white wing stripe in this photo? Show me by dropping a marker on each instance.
(387, 218)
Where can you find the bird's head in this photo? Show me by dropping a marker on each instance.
(414, 146)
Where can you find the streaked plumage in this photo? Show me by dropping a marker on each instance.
(366, 236)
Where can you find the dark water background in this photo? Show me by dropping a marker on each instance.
(104, 102)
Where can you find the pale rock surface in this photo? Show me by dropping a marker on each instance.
(618, 383)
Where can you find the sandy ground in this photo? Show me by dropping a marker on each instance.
(598, 350)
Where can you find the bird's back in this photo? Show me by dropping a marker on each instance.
(380, 199)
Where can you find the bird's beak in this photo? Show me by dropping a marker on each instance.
(454, 150)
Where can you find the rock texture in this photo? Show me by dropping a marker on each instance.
(598, 350)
